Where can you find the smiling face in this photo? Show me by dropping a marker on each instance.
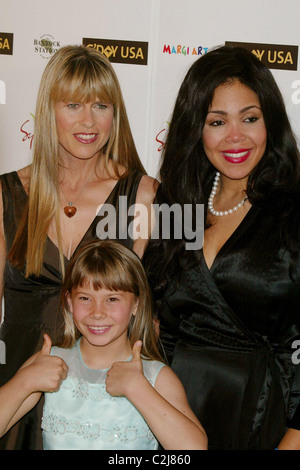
(102, 317)
(83, 128)
(234, 134)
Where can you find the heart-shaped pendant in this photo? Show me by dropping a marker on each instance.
(70, 211)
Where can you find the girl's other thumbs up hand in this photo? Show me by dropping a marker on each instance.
(136, 351)
(124, 376)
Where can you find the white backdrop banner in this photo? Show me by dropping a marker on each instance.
(151, 44)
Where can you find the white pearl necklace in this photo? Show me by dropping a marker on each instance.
(211, 198)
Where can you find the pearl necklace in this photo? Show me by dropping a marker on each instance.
(211, 198)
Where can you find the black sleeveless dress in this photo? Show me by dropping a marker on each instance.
(31, 305)
(229, 331)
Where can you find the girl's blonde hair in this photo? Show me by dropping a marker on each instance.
(74, 73)
(106, 264)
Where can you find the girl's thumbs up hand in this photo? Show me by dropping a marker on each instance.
(122, 377)
(47, 345)
(42, 372)
(136, 351)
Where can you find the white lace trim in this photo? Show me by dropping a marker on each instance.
(60, 425)
(83, 389)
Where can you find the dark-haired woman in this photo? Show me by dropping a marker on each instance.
(229, 312)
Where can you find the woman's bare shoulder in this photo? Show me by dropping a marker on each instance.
(147, 190)
(24, 175)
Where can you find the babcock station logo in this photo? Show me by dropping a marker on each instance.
(123, 52)
(46, 46)
(6, 43)
(274, 56)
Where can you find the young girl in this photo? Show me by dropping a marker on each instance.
(118, 393)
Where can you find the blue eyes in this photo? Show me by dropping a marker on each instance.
(77, 105)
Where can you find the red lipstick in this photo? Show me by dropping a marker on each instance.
(236, 155)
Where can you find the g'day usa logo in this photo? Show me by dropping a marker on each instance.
(274, 56)
(6, 43)
(123, 52)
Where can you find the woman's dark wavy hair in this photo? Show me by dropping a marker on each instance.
(186, 175)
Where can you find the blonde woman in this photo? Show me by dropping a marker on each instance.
(84, 156)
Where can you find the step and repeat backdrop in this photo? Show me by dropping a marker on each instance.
(151, 44)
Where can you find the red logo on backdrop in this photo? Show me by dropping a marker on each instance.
(25, 129)
(161, 137)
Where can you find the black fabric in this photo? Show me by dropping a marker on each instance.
(228, 333)
(31, 305)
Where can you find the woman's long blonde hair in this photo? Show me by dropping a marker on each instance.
(75, 73)
(106, 264)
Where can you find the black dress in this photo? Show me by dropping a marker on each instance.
(31, 305)
(228, 332)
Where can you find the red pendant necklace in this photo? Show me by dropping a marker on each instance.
(70, 210)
